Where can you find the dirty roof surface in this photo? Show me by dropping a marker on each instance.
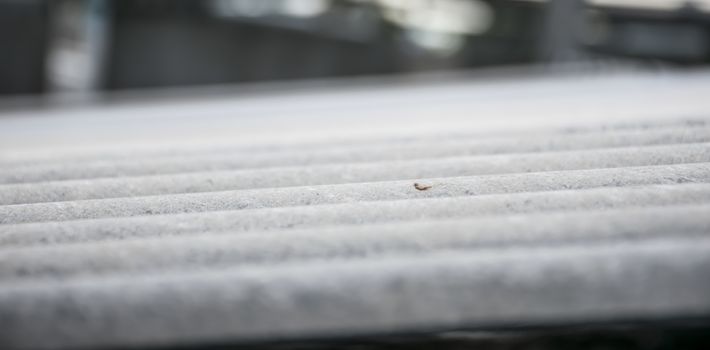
(357, 211)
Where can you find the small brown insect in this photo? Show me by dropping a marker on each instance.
(421, 187)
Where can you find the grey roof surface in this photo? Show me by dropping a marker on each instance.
(549, 200)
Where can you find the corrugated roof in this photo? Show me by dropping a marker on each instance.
(548, 200)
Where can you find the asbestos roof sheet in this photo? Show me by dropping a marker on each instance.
(364, 209)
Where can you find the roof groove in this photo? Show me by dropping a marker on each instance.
(352, 192)
(29, 234)
(552, 283)
(361, 241)
(22, 154)
(351, 173)
(212, 159)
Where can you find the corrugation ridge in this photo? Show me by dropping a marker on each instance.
(351, 173)
(345, 193)
(212, 160)
(362, 242)
(250, 220)
(532, 286)
(182, 147)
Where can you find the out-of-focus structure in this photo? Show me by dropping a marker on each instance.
(70, 45)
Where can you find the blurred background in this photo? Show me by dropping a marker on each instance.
(86, 46)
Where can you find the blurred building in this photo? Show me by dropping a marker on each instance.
(70, 45)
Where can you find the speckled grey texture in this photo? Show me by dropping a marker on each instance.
(351, 173)
(215, 159)
(636, 279)
(542, 134)
(345, 193)
(250, 220)
(149, 256)
(546, 202)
